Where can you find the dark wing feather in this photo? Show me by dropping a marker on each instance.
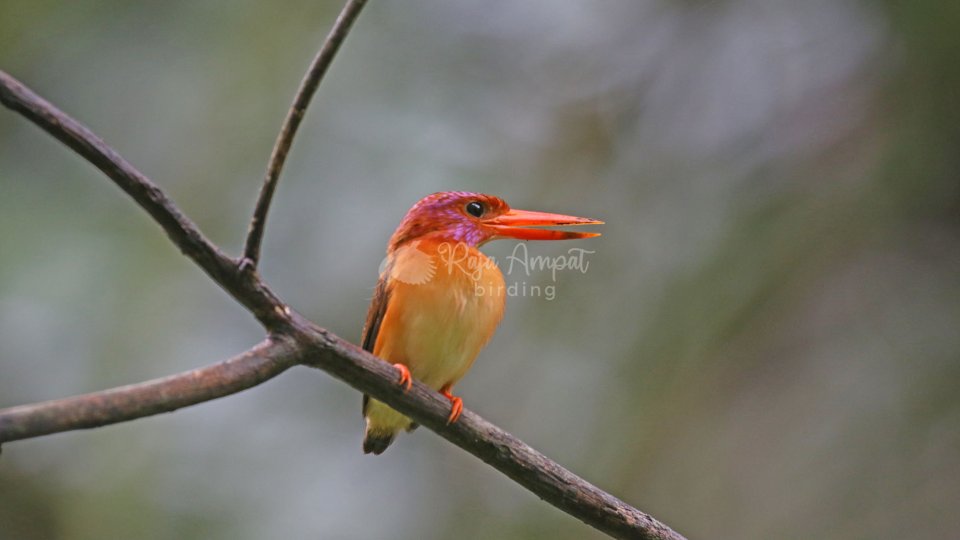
(378, 307)
(371, 329)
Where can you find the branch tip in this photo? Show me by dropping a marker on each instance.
(278, 157)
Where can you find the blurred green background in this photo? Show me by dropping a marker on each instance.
(764, 346)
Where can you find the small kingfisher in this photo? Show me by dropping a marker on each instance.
(439, 299)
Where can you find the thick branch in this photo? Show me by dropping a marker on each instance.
(308, 87)
(246, 287)
(504, 452)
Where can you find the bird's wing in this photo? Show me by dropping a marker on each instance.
(371, 329)
(378, 307)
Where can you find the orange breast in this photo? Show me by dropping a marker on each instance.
(446, 300)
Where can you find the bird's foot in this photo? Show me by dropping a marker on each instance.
(456, 405)
(406, 381)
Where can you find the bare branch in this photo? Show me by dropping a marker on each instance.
(316, 347)
(263, 362)
(308, 87)
(247, 288)
(293, 340)
(499, 449)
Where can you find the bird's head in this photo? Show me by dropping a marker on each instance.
(475, 218)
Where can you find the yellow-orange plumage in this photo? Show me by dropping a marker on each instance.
(439, 299)
(436, 328)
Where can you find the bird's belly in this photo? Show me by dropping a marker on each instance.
(441, 348)
(444, 324)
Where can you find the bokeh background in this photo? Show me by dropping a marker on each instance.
(766, 343)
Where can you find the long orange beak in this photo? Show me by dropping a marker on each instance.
(513, 225)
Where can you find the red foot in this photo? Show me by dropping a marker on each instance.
(456, 405)
(406, 381)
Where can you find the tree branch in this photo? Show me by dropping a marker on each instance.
(308, 87)
(312, 346)
(246, 287)
(263, 362)
(499, 449)
(292, 340)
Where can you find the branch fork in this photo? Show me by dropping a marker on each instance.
(291, 338)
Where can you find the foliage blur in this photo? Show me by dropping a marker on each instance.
(765, 344)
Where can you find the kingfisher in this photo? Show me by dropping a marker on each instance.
(439, 299)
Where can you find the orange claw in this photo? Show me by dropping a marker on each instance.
(406, 381)
(456, 405)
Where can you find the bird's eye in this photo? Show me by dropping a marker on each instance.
(474, 208)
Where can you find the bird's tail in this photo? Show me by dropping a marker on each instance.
(376, 443)
(383, 424)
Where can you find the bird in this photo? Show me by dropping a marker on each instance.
(439, 299)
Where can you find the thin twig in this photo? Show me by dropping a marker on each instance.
(308, 87)
(293, 340)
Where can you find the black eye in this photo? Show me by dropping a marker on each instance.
(475, 209)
